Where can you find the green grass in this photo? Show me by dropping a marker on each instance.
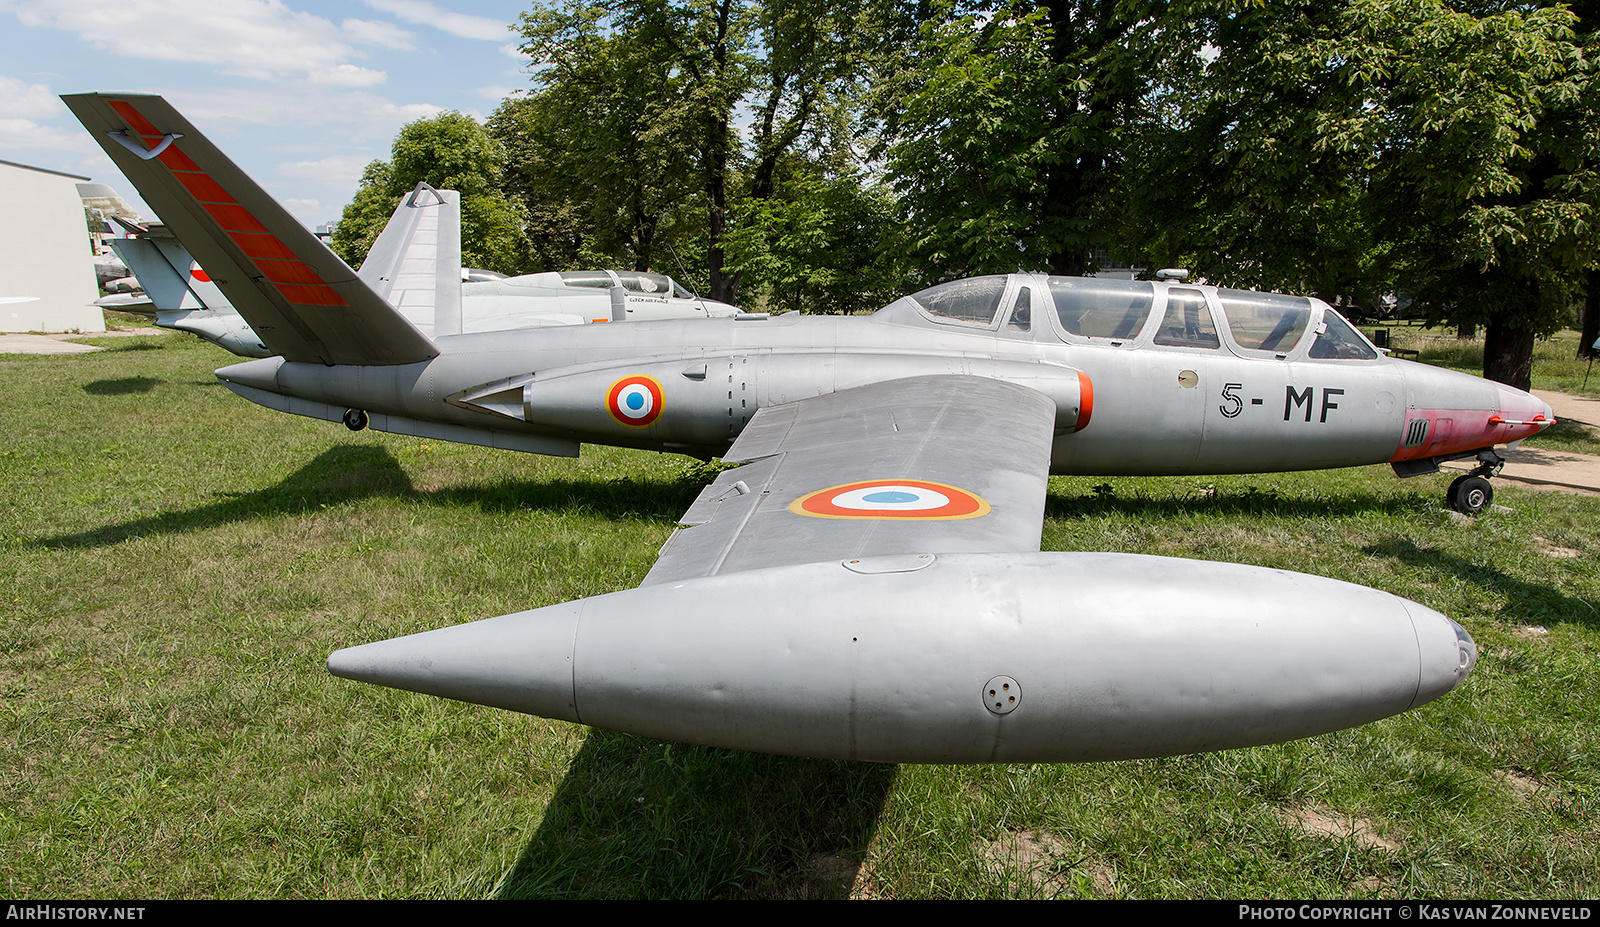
(177, 563)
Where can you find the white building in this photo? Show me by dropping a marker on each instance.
(47, 281)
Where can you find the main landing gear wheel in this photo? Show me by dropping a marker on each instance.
(355, 419)
(1470, 494)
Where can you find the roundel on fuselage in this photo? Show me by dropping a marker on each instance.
(635, 401)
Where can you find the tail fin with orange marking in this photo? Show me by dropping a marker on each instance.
(304, 302)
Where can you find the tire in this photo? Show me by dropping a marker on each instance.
(1470, 495)
(355, 419)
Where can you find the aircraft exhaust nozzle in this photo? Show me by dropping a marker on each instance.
(1090, 657)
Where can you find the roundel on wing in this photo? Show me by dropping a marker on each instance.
(917, 499)
(635, 401)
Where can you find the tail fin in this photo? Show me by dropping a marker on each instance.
(304, 302)
(161, 280)
(416, 262)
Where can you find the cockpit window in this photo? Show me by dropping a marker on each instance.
(654, 284)
(590, 278)
(1022, 312)
(1102, 308)
(1188, 322)
(1265, 321)
(973, 300)
(1336, 340)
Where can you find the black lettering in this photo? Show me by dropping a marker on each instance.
(1292, 397)
(1326, 405)
(1234, 404)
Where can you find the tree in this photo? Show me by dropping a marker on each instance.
(830, 245)
(448, 151)
(1485, 182)
(1006, 128)
(633, 105)
(1235, 176)
(628, 143)
(1371, 145)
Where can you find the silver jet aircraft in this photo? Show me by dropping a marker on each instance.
(868, 583)
(424, 230)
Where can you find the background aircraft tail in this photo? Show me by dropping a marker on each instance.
(162, 280)
(302, 300)
(416, 262)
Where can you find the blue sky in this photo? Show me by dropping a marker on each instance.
(301, 95)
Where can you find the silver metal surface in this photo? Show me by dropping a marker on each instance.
(873, 563)
(1121, 656)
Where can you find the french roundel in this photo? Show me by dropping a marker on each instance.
(891, 499)
(635, 400)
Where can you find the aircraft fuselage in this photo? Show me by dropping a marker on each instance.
(1130, 407)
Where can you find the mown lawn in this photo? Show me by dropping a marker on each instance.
(177, 564)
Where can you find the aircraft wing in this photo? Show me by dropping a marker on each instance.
(923, 465)
(867, 586)
(302, 300)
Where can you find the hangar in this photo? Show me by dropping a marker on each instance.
(47, 281)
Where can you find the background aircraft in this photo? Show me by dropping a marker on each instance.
(868, 584)
(179, 294)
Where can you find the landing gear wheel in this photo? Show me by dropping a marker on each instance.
(1470, 494)
(355, 419)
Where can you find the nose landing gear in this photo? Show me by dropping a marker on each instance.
(1471, 494)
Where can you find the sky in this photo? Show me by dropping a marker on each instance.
(301, 95)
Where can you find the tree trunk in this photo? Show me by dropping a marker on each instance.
(1591, 316)
(1466, 331)
(723, 287)
(1508, 355)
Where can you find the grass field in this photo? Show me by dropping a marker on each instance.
(178, 563)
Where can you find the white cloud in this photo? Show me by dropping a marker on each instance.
(325, 110)
(25, 134)
(27, 101)
(347, 75)
(457, 24)
(261, 39)
(374, 32)
(339, 171)
(514, 50)
(496, 93)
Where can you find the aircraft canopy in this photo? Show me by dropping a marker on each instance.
(632, 281)
(1134, 312)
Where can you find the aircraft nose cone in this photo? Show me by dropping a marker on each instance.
(522, 662)
(1516, 405)
(1447, 653)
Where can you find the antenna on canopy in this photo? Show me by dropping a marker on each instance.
(685, 271)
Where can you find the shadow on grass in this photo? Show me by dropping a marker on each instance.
(641, 818)
(126, 344)
(1539, 602)
(352, 472)
(1566, 435)
(1250, 501)
(123, 386)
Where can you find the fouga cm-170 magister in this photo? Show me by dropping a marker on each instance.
(868, 584)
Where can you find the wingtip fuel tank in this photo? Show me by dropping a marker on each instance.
(953, 658)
